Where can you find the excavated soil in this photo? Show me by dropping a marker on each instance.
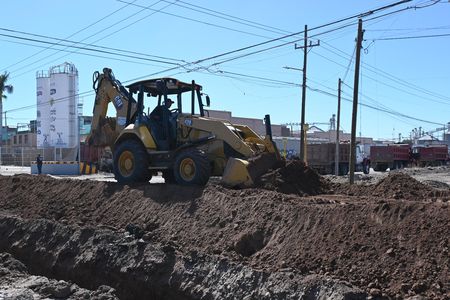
(399, 186)
(294, 178)
(296, 236)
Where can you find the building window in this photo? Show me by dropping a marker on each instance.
(26, 139)
(15, 140)
(20, 140)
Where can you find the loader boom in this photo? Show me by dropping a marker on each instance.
(105, 130)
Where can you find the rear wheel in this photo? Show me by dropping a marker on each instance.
(343, 169)
(192, 168)
(131, 163)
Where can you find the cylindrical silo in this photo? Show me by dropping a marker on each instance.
(63, 106)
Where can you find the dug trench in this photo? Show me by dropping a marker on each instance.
(282, 240)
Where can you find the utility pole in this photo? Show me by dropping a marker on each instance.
(355, 102)
(336, 158)
(302, 126)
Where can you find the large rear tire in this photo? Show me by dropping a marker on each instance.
(131, 163)
(192, 168)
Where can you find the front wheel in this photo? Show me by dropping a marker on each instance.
(192, 168)
(131, 163)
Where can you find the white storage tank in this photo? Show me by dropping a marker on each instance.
(57, 96)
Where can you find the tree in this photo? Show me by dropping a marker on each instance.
(3, 88)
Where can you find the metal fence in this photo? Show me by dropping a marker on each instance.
(24, 156)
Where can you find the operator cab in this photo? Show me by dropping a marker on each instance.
(164, 130)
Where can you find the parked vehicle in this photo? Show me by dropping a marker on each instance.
(393, 156)
(433, 155)
(321, 157)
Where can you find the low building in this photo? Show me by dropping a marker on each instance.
(256, 124)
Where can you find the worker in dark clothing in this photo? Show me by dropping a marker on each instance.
(161, 117)
(39, 163)
(157, 113)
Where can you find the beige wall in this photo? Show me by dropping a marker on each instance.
(23, 140)
(256, 124)
(343, 137)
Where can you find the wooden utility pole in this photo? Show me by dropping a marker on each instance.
(302, 125)
(336, 158)
(355, 103)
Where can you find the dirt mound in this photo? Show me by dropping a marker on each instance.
(294, 178)
(384, 246)
(143, 269)
(403, 186)
(396, 185)
(17, 283)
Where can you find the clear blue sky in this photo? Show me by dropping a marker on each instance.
(404, 76)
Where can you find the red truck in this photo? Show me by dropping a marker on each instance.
(432, 155)
(393, 156)
(321, 157)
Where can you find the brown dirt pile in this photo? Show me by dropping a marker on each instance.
(294, 178)
(387, 247)
(396, 186)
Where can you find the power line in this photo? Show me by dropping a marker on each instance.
(231, 18)
(73, 34)
(385, 109)
(87, 54)
(389, 76)
(375, 108)
(198, 21)
(87, 49)
(349, 64)
(360, 15)
(291, 42)
(116, 23)
(412, 29)
(411, 37)
(333, 93)
(85, 44)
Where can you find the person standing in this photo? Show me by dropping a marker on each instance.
(39, 163)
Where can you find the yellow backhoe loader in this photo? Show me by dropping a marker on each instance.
(183, 143)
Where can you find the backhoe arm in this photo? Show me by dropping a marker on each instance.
(105, 130)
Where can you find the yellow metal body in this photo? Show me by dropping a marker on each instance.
(140, 132)
(238, 141)
(227, 146)
(236, 173)
(105, 130)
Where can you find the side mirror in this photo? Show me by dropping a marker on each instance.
(208, 101)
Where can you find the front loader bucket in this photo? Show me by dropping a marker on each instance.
(105, 135)
(236, 173)
(245, 173)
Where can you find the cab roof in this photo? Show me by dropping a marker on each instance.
(153, 86)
